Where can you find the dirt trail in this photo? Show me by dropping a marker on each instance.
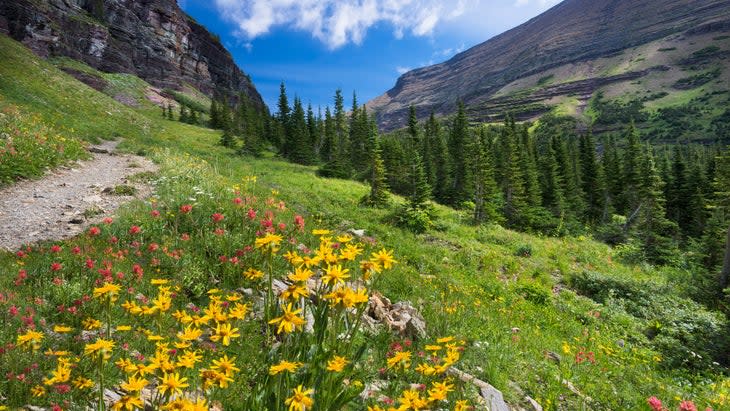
(65, 201)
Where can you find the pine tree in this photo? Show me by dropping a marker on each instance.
(653, 230)
(679, 193)
(183, 114)
(193, 118)
(328, 151)
(553, 198)
(436, 164)
(612, 173)
(510, 178)
(169, 112)
(482, 172)
(573, 200)
(592, 185)
(283, 115)
(164, 111)
(460, 181)
(413, 126)
(631, 170)
(420, 190)
(298, 145)
(343, 143)
(526, 155)
(214, 122)
(378, 196)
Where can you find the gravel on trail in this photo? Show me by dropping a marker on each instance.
(66, 200)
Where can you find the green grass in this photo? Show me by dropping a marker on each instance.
(515, 309)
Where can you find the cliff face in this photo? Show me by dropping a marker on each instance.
(153, 39)
(572, 32)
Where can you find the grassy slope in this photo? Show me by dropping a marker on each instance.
(467, 280)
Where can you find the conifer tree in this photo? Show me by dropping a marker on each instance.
(341, 135)
(420, 190)
(510, 177)
(631, 170)
(214, 121)
(298, 143)
(553, 198)
(328, 150)
(183, 114)
(654, 231)
(678, 192)
(437, 163)
(378, 196)
(591, 181)
(169, 112)
(164, 111)
(526, 155)
(413, 126)
(482, 172)
(612, 172)
(460, 181)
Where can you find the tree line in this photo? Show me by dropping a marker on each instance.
(542, 178)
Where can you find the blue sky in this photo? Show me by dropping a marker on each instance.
(317, 46)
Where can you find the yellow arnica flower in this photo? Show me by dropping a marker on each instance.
(289, 321)
(225, 365)
(224, 333)
(300, 274)
(337, 364)
(108, 290)
(400, 359)
(462, 405)
(320, 231)
(294, 292)
(334, 274)
(128, 403)
(82, 383)
(31, 339)
(91, 324)
(300, 400)
(100, 347)
(172, 384)
(61, 329)
(385, 258)
(411, 400)
(284, 365)
(38, 391)
(134, 384)
(270, 241)
(440, 391)
(190, 334)
(253, 274)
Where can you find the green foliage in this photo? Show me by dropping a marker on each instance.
(697, 80)
(617, 112)
(28, 147)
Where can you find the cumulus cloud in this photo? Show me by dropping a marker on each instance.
(338, 22)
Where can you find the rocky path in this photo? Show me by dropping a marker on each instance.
(66, 200)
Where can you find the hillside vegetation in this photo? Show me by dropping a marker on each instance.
(563, 319)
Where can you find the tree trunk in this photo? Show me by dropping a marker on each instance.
(725, 273)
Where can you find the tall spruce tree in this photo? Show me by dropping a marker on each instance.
(613, 175)
(653, 230)
(510, 178)
(482, 172)
(592, 184)
(378, 196)
(631, 166)
(460, 181)
(438, 168)
(420, 190)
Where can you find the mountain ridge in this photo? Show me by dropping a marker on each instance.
(152, 39)
(572, 31)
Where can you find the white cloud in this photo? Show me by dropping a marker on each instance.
(402, 70)
(338, 22)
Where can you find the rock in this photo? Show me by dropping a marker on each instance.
(97, 150)
(77, 220)
(492, 396)
(400, 317)
(93, 199)
(154, 40)
(357, 233)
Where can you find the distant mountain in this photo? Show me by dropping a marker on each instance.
(561, 60)
(153, 39)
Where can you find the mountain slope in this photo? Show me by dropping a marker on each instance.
(573, 32)
(154, 40)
